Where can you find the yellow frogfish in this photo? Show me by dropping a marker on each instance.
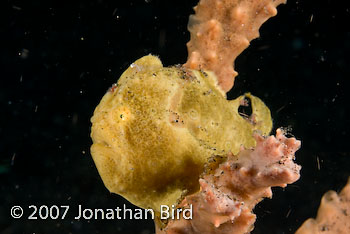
(157, 127)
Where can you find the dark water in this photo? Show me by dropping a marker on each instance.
(59, 57)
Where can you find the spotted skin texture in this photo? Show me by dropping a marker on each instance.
(155, 129)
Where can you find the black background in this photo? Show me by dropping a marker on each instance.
(58, 58)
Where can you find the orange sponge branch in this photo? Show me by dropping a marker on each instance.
(221, 30)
